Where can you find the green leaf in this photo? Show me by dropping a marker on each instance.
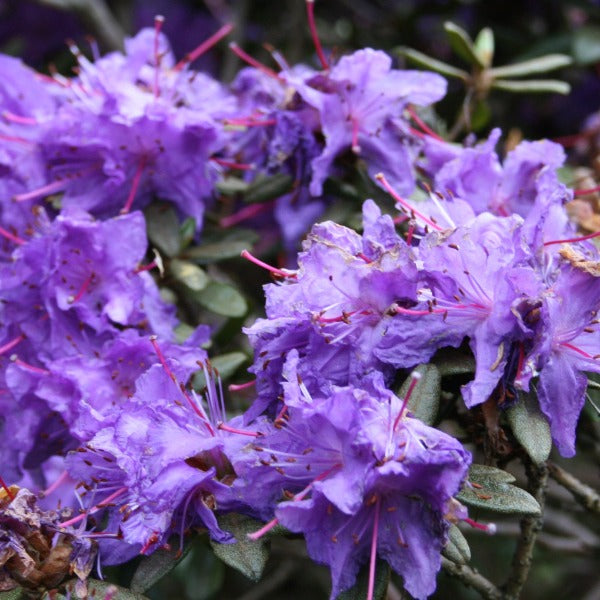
(187, 231)
(222, 299)
(225, 364)
(156, 566)
(532, 86)
(490, 489)
(586, 45)
(163, 228)
(533, 66)
(481, 115)
(452, 362)
(229, 186)
(424, 401)
(16, 594)
(97, 590)
(530, 427)
(426, 62)
(484, 46)
(457, 548)
(462, 44)
(221, 246)
(247, 556)
(189, 274)
(359, 590)
(268, 187)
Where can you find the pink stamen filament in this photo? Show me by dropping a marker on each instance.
(381, 177)
(9, 116)
(279, 272)
(409, 234)
(423, 125)
(365, 258)
(355, 144)
(520, 361)
(11, 236)
(299, 496)
(574, 240)
(82, 290)
(204, 46)
(224, 427)
(310, 11)
(94, 509)
(253, 62)
(8, 491)
(46, 190)
(250, 122)
(489, 528)
(165, 366)
(373, 557)
(158, 23)
(587, 191)
(151, 540)
(576, 349)
(57, 483)
(400, 219)
(10, 345)
(14, 138)
(15, 359)
(134, 186)
(147, 267)
(236, 387)
(233, 165)
(415, 377)
(245, 213)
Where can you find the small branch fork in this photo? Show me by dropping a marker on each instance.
(537, 476)
(585, 495)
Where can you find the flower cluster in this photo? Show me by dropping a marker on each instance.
(97, 406)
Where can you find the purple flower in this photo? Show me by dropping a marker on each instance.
(332, 306)
(567, 344)
(360, 103)
(360, 478)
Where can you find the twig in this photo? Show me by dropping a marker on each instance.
(471, 578)
(585, 495)
(530, 527)
(96, 16)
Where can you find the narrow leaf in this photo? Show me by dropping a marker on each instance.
(530, 427)
(533, 86)
(163, 228)
(189, 274)
(247, 556)
(484, 46)
(491, 489)
(424, 401)
(359, 590)
(426, 62)
(232, 185)
(457, 548)
(222, 299)
(542, 64)
(156, 566)
(586, 45)
(462, 44)
(268, 187)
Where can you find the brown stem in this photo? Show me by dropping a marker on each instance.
(585, 495)
(537, 476)
(471, 578)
